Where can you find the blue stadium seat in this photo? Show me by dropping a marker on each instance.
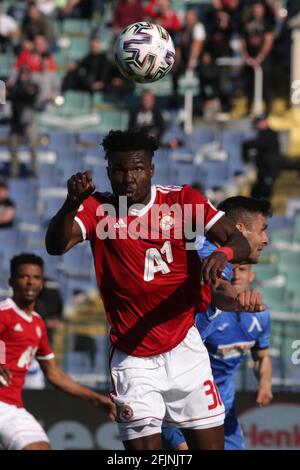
(232, 142)
(215, 174)
(184, 173)
(201, 137)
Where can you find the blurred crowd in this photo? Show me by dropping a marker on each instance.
(251, 33)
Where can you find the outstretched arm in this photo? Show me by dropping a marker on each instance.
(63, 232)
(263, 373)
(225, 297)
(63, 382)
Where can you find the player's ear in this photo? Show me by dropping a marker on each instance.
(10, 282)
(241, 227)
(152, 170)
(107, 172)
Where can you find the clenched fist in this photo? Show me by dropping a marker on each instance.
(80, 187)
(250, 301)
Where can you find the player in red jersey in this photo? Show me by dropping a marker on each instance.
(149, 280)
(23, 336)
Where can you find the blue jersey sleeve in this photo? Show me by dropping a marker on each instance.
(205, 248)
(263, 341)
(171, 437)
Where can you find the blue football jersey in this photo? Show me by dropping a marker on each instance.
(230, 335)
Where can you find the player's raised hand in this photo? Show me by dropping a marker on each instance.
(250, 301)
(5, 376)
(80, 186)
(106, 404)
(213, 266)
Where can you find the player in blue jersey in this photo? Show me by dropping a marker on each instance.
(250, 216)
(228, 337)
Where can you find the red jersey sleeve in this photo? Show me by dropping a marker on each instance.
(201, 207)
(86, 218)
(44, 352)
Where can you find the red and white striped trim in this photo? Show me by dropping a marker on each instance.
(45, 358)
(212, 221)
(168, 189)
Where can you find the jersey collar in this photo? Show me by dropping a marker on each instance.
(144, 210)
(20, 312)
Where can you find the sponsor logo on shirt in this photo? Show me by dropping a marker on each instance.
(235, 349)
(18, 327)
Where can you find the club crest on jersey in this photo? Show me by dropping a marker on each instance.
(38, 332)
(126, 412)
(166, 222)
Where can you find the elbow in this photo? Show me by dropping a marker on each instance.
(51, 249)
(52, 246)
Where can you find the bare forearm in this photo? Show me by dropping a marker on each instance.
(59, 231)
(263, 370)
(223, 296)
(64, 383)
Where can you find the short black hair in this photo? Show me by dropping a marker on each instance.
(133, 139)
(24, 258)
(238, 208)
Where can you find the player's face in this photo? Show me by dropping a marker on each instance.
(256, 234)
(130, 175)
(242, 276)
(28, 283)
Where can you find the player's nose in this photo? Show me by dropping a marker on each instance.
(128, 176)
(265, 239)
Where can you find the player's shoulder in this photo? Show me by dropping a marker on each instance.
(7, 311)
(5, 304)
(263, 317)
(96, 199)
(168, 188)
(183, 193)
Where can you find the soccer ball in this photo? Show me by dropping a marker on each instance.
(144, 52)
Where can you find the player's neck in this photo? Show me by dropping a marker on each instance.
(142, 202)
(25, 306)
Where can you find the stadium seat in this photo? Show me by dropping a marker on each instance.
(76, 27)
(201, 137)
(274, 297)
(78, 263)
(184, 173)
(231, 142)
(287, 259)
(264, 272)
(215, 174)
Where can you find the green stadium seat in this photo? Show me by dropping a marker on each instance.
(76, 27)
(264, 271)
(274, 297)
(280, 235)
(288, 258)
(113, 120)
(293, 278)
(79, 47)
(295, 304)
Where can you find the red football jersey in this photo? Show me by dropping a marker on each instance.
(150, 284)
(24, 337)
